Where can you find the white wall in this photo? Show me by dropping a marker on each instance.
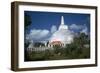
(5, 32)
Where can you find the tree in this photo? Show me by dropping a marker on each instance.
(27, 20)
(38, 44)
(57, 49)
(76, 49)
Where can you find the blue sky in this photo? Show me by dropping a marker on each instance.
(45, 20)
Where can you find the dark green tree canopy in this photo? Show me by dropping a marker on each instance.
(27, 20)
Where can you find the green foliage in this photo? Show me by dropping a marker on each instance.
(57, 49)
(75, 50)
(38, 44)
(27, 20)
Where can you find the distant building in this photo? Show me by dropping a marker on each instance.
(56, 43)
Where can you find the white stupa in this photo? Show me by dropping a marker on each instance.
(63, 34)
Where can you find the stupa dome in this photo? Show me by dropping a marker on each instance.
(65, 36)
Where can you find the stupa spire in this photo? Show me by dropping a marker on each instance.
(62, 20)
(62, 25)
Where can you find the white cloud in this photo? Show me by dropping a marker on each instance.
(82, 28)
(76, 27)
(53, 29)
(37, 34)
